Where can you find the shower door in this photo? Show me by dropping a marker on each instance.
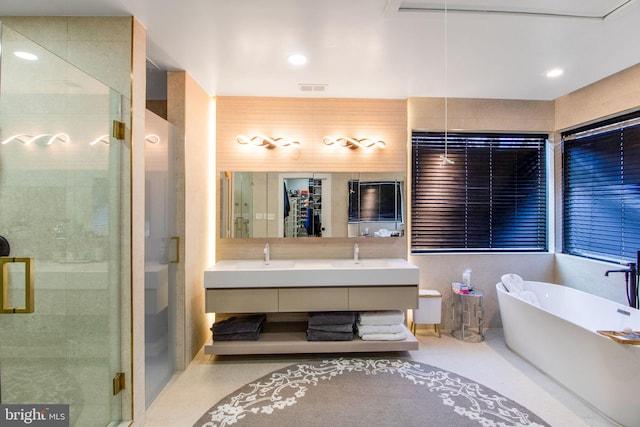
(162, 255)
(65, 213)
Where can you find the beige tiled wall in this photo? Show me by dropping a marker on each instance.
(188, 110)
(474, 115)
(608, 97)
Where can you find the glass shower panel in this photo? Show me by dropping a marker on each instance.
(161, 254)
(64, 205)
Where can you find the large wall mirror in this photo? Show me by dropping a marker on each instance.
(312, 204)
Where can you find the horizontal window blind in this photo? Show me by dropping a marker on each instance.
(493, 198)
(601, 191)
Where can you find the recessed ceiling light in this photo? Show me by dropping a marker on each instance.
(25, 55)
(297, 59)
(556, 72)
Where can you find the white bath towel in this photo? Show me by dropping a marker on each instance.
(384, 337)
(387, 317)
(379, 329)
(513, 283)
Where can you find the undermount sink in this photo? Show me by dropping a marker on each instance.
(310, 272)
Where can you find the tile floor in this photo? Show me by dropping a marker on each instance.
(208, 379)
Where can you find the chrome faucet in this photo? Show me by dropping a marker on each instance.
(267, 254)
(356, 253)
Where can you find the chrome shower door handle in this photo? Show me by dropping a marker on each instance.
(29, 302)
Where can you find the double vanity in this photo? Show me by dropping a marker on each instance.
(286, 290)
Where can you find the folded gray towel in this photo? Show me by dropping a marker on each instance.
(332, 328)
(313, 335)
(332, 318)
(238, 325)
(246, 336)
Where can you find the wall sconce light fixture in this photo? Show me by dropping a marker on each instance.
(102, 138)
(27, 139)
(152, 139)
(353, 143)
(265, 141)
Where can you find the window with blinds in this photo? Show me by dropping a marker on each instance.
(492, 198)
(601, 190)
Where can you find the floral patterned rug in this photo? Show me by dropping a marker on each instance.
(366, 392)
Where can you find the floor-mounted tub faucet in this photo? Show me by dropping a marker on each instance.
(267, 254)
(631, 279)
(624, 270)
(356, 253)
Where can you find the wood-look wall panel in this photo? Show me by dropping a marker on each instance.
(308, 121)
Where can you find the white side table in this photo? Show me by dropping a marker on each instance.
(429, 310)
(467, 314)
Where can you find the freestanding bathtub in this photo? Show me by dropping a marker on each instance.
(559, 337)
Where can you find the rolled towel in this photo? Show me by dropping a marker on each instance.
(513, 283)
(384, 337)
(332, 328)
(379, 329)
(388, 317)
(332, 318)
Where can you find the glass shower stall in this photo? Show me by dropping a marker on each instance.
(65, 252)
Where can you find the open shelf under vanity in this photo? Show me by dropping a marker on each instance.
(289, 337)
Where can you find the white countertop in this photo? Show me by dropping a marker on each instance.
(310, 272)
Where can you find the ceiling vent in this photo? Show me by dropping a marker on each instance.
(312, 87)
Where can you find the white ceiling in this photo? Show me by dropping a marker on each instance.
(378, 48)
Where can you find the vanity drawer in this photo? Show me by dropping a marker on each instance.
(241, 300)
(313, 299)
(383, 297)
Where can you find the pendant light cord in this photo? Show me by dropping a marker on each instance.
(444, 159)
(446, 79)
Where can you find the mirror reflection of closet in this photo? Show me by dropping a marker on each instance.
(302, 207)
(304, 212)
